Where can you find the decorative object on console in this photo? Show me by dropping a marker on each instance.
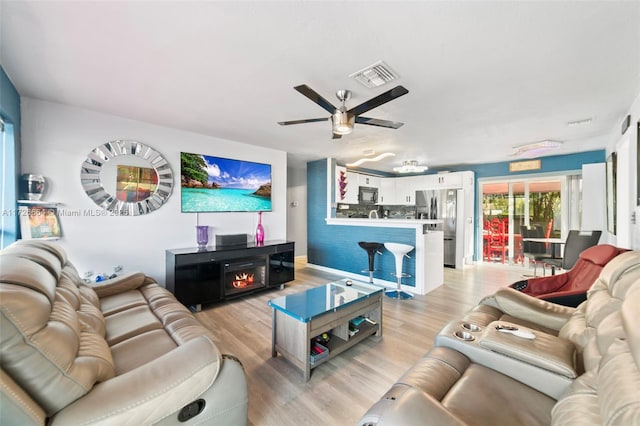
(215, 184)
(32, 187)
(202, 235)
(259, 231)
(231, 240)
(126, 178)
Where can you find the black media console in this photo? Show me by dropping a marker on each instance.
(207, 275)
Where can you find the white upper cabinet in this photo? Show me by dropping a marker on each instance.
(369, 181)
(448, 180)
(406, 188)
(387, 192)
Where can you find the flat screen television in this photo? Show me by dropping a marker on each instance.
(215, 184)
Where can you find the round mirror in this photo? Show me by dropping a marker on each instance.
(126, 178)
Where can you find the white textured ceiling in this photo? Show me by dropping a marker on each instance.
(482, 76)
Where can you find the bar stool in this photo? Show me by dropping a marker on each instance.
(399, 251)
(372, 249)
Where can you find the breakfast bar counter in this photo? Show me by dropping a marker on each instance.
(426, 263)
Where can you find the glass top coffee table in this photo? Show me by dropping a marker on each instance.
(348, 310)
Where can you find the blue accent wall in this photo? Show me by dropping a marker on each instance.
(335, 246)
(10, 157)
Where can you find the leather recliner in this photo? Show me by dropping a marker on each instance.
(570, 288)
(581, 367)
(122, 352)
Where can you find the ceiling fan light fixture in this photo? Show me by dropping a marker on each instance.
(536, 148)
(376, 158)
(410, 166)
(342, 122)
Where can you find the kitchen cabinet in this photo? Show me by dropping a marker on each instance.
(387, 191)
(406, 188)
(348, 184)
(370, 181)
(448, 180)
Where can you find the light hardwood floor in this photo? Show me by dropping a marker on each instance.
(341, 390)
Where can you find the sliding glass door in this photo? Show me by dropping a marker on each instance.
(508, 205)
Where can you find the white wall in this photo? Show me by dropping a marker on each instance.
(55, 142)
(297, 206)
(627, 182)
(594, 197)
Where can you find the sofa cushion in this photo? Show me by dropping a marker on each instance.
(140, 349)
(46, 346)
(110, 305)
(445, 388)
(126, 324)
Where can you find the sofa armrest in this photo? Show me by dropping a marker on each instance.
(121, 283)
(151, 392)
(406, 405)
(523, 306)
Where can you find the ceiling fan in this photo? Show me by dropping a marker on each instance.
(342, 119)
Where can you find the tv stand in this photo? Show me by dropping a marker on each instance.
(198, 276)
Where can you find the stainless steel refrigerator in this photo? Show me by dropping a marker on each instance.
(440, 204)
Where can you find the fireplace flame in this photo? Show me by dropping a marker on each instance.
(243, 280)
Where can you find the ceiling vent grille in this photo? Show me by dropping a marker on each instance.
(375, 75)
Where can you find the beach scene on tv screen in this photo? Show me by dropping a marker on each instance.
(214, 184)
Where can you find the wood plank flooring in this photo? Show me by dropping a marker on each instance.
(340, 391)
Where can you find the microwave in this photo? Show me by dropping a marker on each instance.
(367, 195)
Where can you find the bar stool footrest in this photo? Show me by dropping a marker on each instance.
(395, 294)
(403, 275)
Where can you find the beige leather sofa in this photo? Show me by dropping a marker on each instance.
(581, 367)
(122, 352)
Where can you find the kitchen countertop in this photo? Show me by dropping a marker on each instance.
(390, 223)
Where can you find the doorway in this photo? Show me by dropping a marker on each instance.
(540, 203)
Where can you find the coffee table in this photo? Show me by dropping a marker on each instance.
(300, 317)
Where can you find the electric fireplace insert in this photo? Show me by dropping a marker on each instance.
(244, 275)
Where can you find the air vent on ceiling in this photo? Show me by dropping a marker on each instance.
(375, 75)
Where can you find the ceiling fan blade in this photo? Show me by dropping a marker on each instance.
(390, 95)
(379, 123)
(336, 136)
(315, 97)
(308, 120)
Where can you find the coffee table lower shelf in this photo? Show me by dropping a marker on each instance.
(291, 337)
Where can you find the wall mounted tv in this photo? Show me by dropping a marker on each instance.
(214, 184)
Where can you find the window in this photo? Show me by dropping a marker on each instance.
(8, 213)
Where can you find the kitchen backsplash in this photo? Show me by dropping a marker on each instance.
(362, 211)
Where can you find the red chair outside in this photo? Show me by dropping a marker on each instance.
(570, 288)
(497, 240)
